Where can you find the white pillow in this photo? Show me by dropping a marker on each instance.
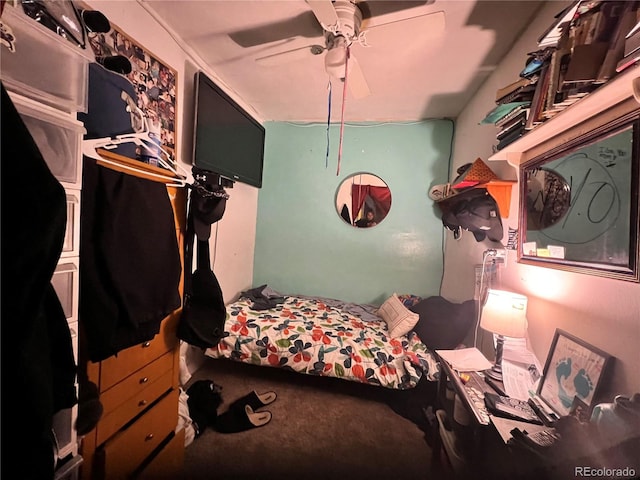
(399, 319)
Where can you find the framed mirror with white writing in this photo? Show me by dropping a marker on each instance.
(579, 204)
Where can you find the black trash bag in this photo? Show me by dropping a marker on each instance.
(474, 210)
(204, 398)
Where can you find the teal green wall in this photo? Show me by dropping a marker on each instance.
(302, 244)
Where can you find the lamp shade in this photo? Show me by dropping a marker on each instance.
(505, 313)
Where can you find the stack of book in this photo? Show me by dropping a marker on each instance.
(587, 45)
(511, 119)
(512, 127)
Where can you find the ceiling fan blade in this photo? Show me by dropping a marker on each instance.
(377, 11)
(325, 13)
(302, 25)
(356, 82)
(289, 56)
(430, 23)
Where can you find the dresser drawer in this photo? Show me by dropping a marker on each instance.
(126, 451)
(133, 395)
(168, 463)
(118, 367)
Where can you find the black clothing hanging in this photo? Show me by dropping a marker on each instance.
(38, 367)
(129, 259)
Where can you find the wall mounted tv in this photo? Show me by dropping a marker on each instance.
(227, 140)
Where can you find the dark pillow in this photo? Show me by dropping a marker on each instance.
(443, 325)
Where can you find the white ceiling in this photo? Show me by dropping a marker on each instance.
(412, 73)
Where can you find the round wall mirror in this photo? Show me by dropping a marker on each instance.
(363, 200)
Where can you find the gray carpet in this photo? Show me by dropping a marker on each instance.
(321, 428)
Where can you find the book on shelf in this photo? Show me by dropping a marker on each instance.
(515, 113)
(618, 43)
(585, 62)
(518, 123)
(551, 36)
(522, 94)
(501, 111)
(628, 61)
(512, 137)
(537, 104)
(595, 37)
(503, 92)
(632, 39)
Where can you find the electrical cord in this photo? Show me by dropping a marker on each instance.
(486, 254)
(444, 230)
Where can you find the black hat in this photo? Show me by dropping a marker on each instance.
(208, 207)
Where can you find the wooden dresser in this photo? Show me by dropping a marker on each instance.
(135, 437)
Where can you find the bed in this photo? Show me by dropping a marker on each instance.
(319, 336)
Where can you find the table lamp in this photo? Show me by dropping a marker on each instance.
(504, 314)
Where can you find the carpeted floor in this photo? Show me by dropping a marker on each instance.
(320, 428)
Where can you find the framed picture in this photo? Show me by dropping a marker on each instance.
(574, 369)
(150, 99)
(580, 202)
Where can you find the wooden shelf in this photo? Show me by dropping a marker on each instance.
(607, 103)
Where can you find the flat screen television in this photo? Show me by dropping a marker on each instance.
(227, 140)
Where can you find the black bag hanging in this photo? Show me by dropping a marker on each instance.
(204, 312)
(474, 210)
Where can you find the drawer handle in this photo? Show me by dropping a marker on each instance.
(146, 344)
(144, 379)
(148, 437)
(142, 403)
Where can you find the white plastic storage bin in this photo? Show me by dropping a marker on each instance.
(43, 66)
(69, 469)
(65, 283)
(71, 245)
(58, 136)
(73, 330)
(65, 433)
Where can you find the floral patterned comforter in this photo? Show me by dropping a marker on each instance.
(315, 337)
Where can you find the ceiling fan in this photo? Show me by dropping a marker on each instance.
(344, 23)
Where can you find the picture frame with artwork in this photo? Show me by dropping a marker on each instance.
(573, 374)
(151, 99)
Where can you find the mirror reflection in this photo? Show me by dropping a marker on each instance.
(579, 204)
(548, 198)
(363, 200)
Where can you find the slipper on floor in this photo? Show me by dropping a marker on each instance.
(233, 421)
(254, 400)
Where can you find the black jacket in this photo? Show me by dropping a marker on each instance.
(38, 369)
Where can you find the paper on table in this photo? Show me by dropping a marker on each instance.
(465, 359)
(518, 379)
(515, 350)
(520, 369)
